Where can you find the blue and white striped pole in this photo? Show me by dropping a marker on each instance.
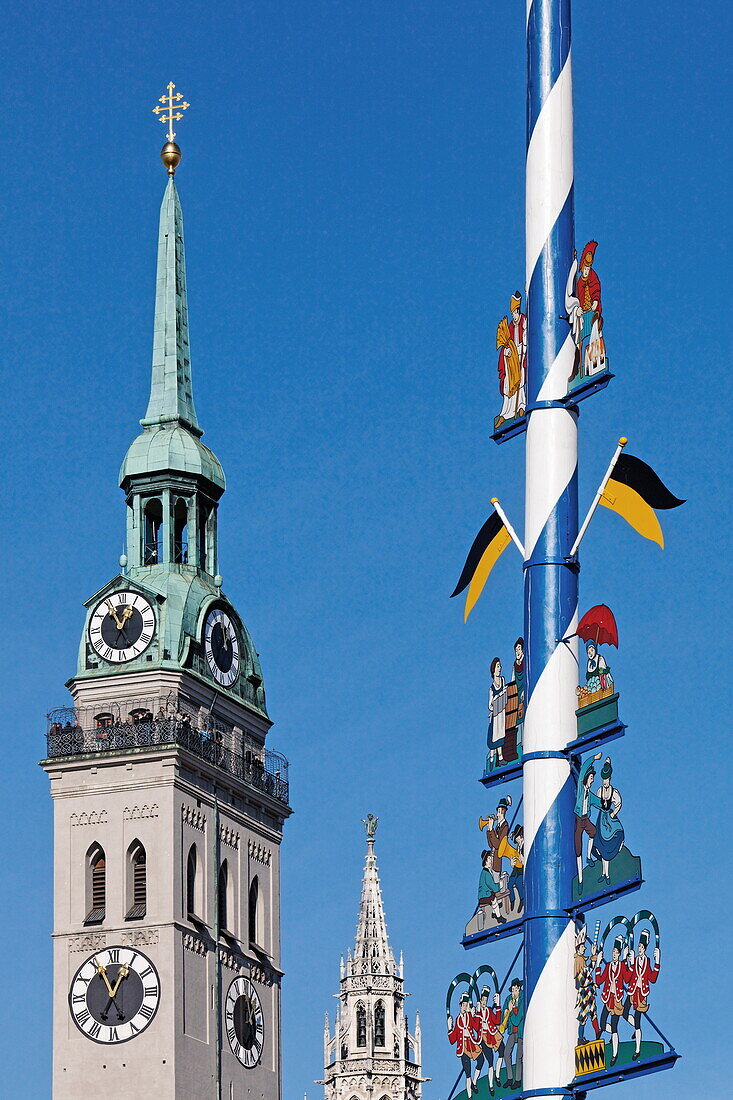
(550, 584)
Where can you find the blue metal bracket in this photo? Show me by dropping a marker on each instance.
(498, 932)
(603, 897)
(512, 428)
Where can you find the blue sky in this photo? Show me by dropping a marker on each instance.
(352, 188)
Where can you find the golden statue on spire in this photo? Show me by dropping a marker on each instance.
(172, 111)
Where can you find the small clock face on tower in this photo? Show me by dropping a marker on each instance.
(222, 647)
(114, 995)
(245, 1023)
(122, 626)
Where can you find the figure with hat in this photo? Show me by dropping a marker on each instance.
(489, 1018)
(515, 884)
(585, 1002)
(489, 890)
(465, 1035)
(497, 833)
(513, 1027)
(610, 976)
(584, 800)
(609, 838)
(511, 343)
(585, 314)
(639, 974)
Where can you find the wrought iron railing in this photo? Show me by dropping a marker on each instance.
(72, 733)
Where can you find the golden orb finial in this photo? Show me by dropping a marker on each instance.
(171, 111)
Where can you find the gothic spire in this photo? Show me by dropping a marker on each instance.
(372, 953)
(171, 392)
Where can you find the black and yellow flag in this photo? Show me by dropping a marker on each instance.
(488, 546)
(635, 491)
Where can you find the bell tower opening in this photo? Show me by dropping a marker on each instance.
(180, 531)
(153, 536)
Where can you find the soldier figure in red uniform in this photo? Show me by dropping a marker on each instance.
(465, 1035)
(638, 975)
(489, 1018)
(610, 976)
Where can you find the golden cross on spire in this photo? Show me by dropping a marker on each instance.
(173, 109)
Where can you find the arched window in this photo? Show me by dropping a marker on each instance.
(137, 881)
(96, 885)
(222, 888)
(379, 1025)
(153, 548)
(254, 893)
(203, 540)
(191, 883)
(180, 531)
(360, 1025)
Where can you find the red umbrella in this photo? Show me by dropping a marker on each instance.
(598, 625)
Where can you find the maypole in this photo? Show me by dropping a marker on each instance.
(550, 574)
(546, 724)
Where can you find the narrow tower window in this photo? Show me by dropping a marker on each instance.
(254, 892)
(191, 883)
(137, 881)
(379, 1025)
(204, 512)
(222, 895)
(360, 1025)
(153, 549)
(96, 886)
(180, 532)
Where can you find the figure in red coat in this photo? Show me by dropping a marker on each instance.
(610, 976)
(639, 974)
(465, 1035)
(585, 313)
(489, 1019)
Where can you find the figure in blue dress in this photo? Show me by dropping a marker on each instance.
(609, 837)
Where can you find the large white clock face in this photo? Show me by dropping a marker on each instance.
(222, 647)
(122, 626)
(245, 1023)
(114, 995)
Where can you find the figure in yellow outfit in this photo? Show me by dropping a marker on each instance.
(511, 380)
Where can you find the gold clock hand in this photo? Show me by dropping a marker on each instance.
(103, 974)
(113, 613)
(122, 973)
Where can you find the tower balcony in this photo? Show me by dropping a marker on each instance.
(172, 722)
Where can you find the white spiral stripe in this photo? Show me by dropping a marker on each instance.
(544, 1059)
(549, 165)
(552, 455)
(555, 385)
(543, 781)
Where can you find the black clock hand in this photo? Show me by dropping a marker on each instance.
(112, 1001)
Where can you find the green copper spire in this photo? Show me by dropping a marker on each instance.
(171, 392)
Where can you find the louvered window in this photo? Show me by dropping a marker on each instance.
(222, 895)
(191, 883)
(98, 889)
(138, 870)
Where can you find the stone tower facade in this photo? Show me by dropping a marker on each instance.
(372, 1055)
(168, 804)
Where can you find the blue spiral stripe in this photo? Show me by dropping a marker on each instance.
(544, 64)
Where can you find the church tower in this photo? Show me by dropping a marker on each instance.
(372, 1055)
(168, 804)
